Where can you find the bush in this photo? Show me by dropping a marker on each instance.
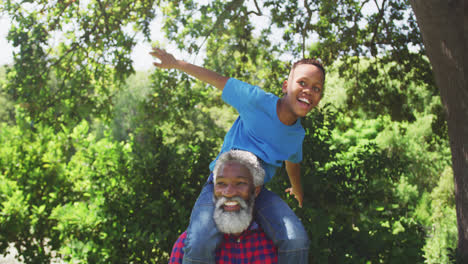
(351, 211)
(95, 200)
(443, 236)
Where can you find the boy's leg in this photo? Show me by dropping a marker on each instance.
(282, 225)
(202, 234)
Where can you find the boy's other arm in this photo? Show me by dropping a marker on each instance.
(294, 174)
(169, 62)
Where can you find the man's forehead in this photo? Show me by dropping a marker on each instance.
(237, 176)
(234, 169)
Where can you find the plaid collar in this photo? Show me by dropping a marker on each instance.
(252, 228)
(252, 246)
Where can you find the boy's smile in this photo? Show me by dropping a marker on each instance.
(303, 91)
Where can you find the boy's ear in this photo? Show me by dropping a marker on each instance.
(285, 86)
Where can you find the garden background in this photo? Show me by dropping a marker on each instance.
(100, 163)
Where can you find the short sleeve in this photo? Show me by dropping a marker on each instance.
(241, 95)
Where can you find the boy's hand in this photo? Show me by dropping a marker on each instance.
(167, 60)
(298, 194)
(294, 174)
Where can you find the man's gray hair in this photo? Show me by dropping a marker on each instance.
(245, 158)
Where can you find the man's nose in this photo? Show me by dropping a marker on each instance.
(229, 191)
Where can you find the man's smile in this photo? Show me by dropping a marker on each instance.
(231, 206)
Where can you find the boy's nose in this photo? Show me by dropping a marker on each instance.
(307, 90)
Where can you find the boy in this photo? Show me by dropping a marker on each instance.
(270, 128)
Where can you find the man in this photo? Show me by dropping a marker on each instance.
(238, 179)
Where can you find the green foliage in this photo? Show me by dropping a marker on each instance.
(14, 210)
(123, 201)
(95, 200)
(443, 235)
(32, 171)
(6, 104)
(378, 87)
(101, 166)
(126, 106)
(351, 212)
(418, 149)
(352, 216)
(126, 201)
(75, 78)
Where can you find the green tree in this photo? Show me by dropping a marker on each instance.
(390, 36)
(442, 240)
(444, 29)
(370, 160)
(75, 78)
(6, 104)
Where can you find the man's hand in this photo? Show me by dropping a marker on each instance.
(167, 60)
(298, 194)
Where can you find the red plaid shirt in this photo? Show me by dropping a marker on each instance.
(251, 247)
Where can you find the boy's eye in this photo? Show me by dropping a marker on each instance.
(316, 89)
(241, 183)
(302, 83)
(220, 184)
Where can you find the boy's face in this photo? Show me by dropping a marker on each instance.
(303, 89)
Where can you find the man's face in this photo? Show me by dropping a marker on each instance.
(234, 197)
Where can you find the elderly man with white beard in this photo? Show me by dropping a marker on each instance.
(238, 179)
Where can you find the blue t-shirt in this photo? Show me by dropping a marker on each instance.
(258, 128)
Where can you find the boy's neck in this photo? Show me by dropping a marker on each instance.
(286, 116)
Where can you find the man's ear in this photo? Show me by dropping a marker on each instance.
(285, 87)
(257, 190)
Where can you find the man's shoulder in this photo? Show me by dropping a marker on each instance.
(177, 253)
(181, 239)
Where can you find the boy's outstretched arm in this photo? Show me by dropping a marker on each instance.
(294, 174)
(169, 62)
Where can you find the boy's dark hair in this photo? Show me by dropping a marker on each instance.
(312, 61)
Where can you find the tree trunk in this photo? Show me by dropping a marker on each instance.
(444, 29)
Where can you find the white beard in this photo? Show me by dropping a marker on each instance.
(233, 222)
